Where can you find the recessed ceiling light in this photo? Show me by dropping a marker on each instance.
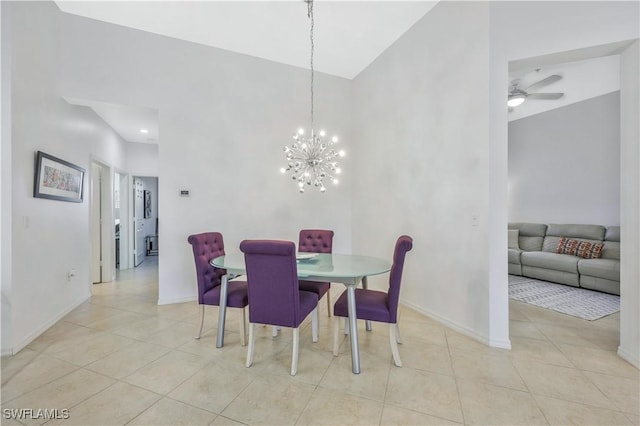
(145, 131)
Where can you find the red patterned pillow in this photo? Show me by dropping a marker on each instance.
(567, 246)
(582, 249)
(590, 250)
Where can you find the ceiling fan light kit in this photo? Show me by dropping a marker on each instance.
(516, 98)
(517, 95)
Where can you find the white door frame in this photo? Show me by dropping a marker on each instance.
(96, 220)
(139, 250)
(126, 261)
(106, 232)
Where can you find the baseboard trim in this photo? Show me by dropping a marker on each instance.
(176, 300)
(33, 336)
(629, 357)
(501, 344)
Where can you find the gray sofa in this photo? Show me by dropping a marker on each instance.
(535, 255)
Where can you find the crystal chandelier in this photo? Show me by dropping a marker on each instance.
(311, 157)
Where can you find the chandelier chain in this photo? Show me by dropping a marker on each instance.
(310, 15)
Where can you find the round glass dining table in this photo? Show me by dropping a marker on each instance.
(348, 269)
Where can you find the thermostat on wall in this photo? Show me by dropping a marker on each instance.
(184, 192)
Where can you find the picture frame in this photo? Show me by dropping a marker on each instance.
(57, 179)
(147, 204)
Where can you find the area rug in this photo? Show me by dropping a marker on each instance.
(577, 302)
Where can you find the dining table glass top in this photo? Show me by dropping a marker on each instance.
(327, 265)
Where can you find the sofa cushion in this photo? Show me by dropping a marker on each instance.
(601, 268)
(530, 235)
(514, 256)
(612, 234)
(582, 232)
(611, 250)
(555, 261)
(612, 243)
(513, 239)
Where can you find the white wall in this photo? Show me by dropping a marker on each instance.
(630, 206)
(564, 164)
(5, 181)
(142, 158)
(422, 138)
(224, 118)
(48, 238)
(567, 26)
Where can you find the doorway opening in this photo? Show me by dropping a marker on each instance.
(542, 139)
(145, 218)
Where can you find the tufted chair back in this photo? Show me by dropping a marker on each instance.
(207, 246)
(272, 274)
(315, 241)
(403, 245)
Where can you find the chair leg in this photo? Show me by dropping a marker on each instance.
(336, 334)
(398, 338)
(243, 327)
(252, 341)
(394, 344)
(329, 302)
(346, 326)
(201, 323)
(314, 325)
(294, 356)
(365, 285)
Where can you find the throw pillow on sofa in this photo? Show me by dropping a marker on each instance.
(582, 249)
(590, 250)
(567, 246)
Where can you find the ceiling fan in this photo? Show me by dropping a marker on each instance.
(517, 95)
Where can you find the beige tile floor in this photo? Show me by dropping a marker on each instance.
(121, 359)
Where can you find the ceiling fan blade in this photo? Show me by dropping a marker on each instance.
(546, 96)
(544, 82)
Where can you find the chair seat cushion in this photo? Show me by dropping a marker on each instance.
(370, 305)
(308, 302)
(318, 288)
(236, 297)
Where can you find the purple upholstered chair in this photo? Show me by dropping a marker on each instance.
(207, 246)
(316, 241)
(274, 296)
(376, 305)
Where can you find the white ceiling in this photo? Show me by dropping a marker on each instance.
(348, 35)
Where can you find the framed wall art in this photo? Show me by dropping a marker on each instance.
(147, 204)
(57, 179)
